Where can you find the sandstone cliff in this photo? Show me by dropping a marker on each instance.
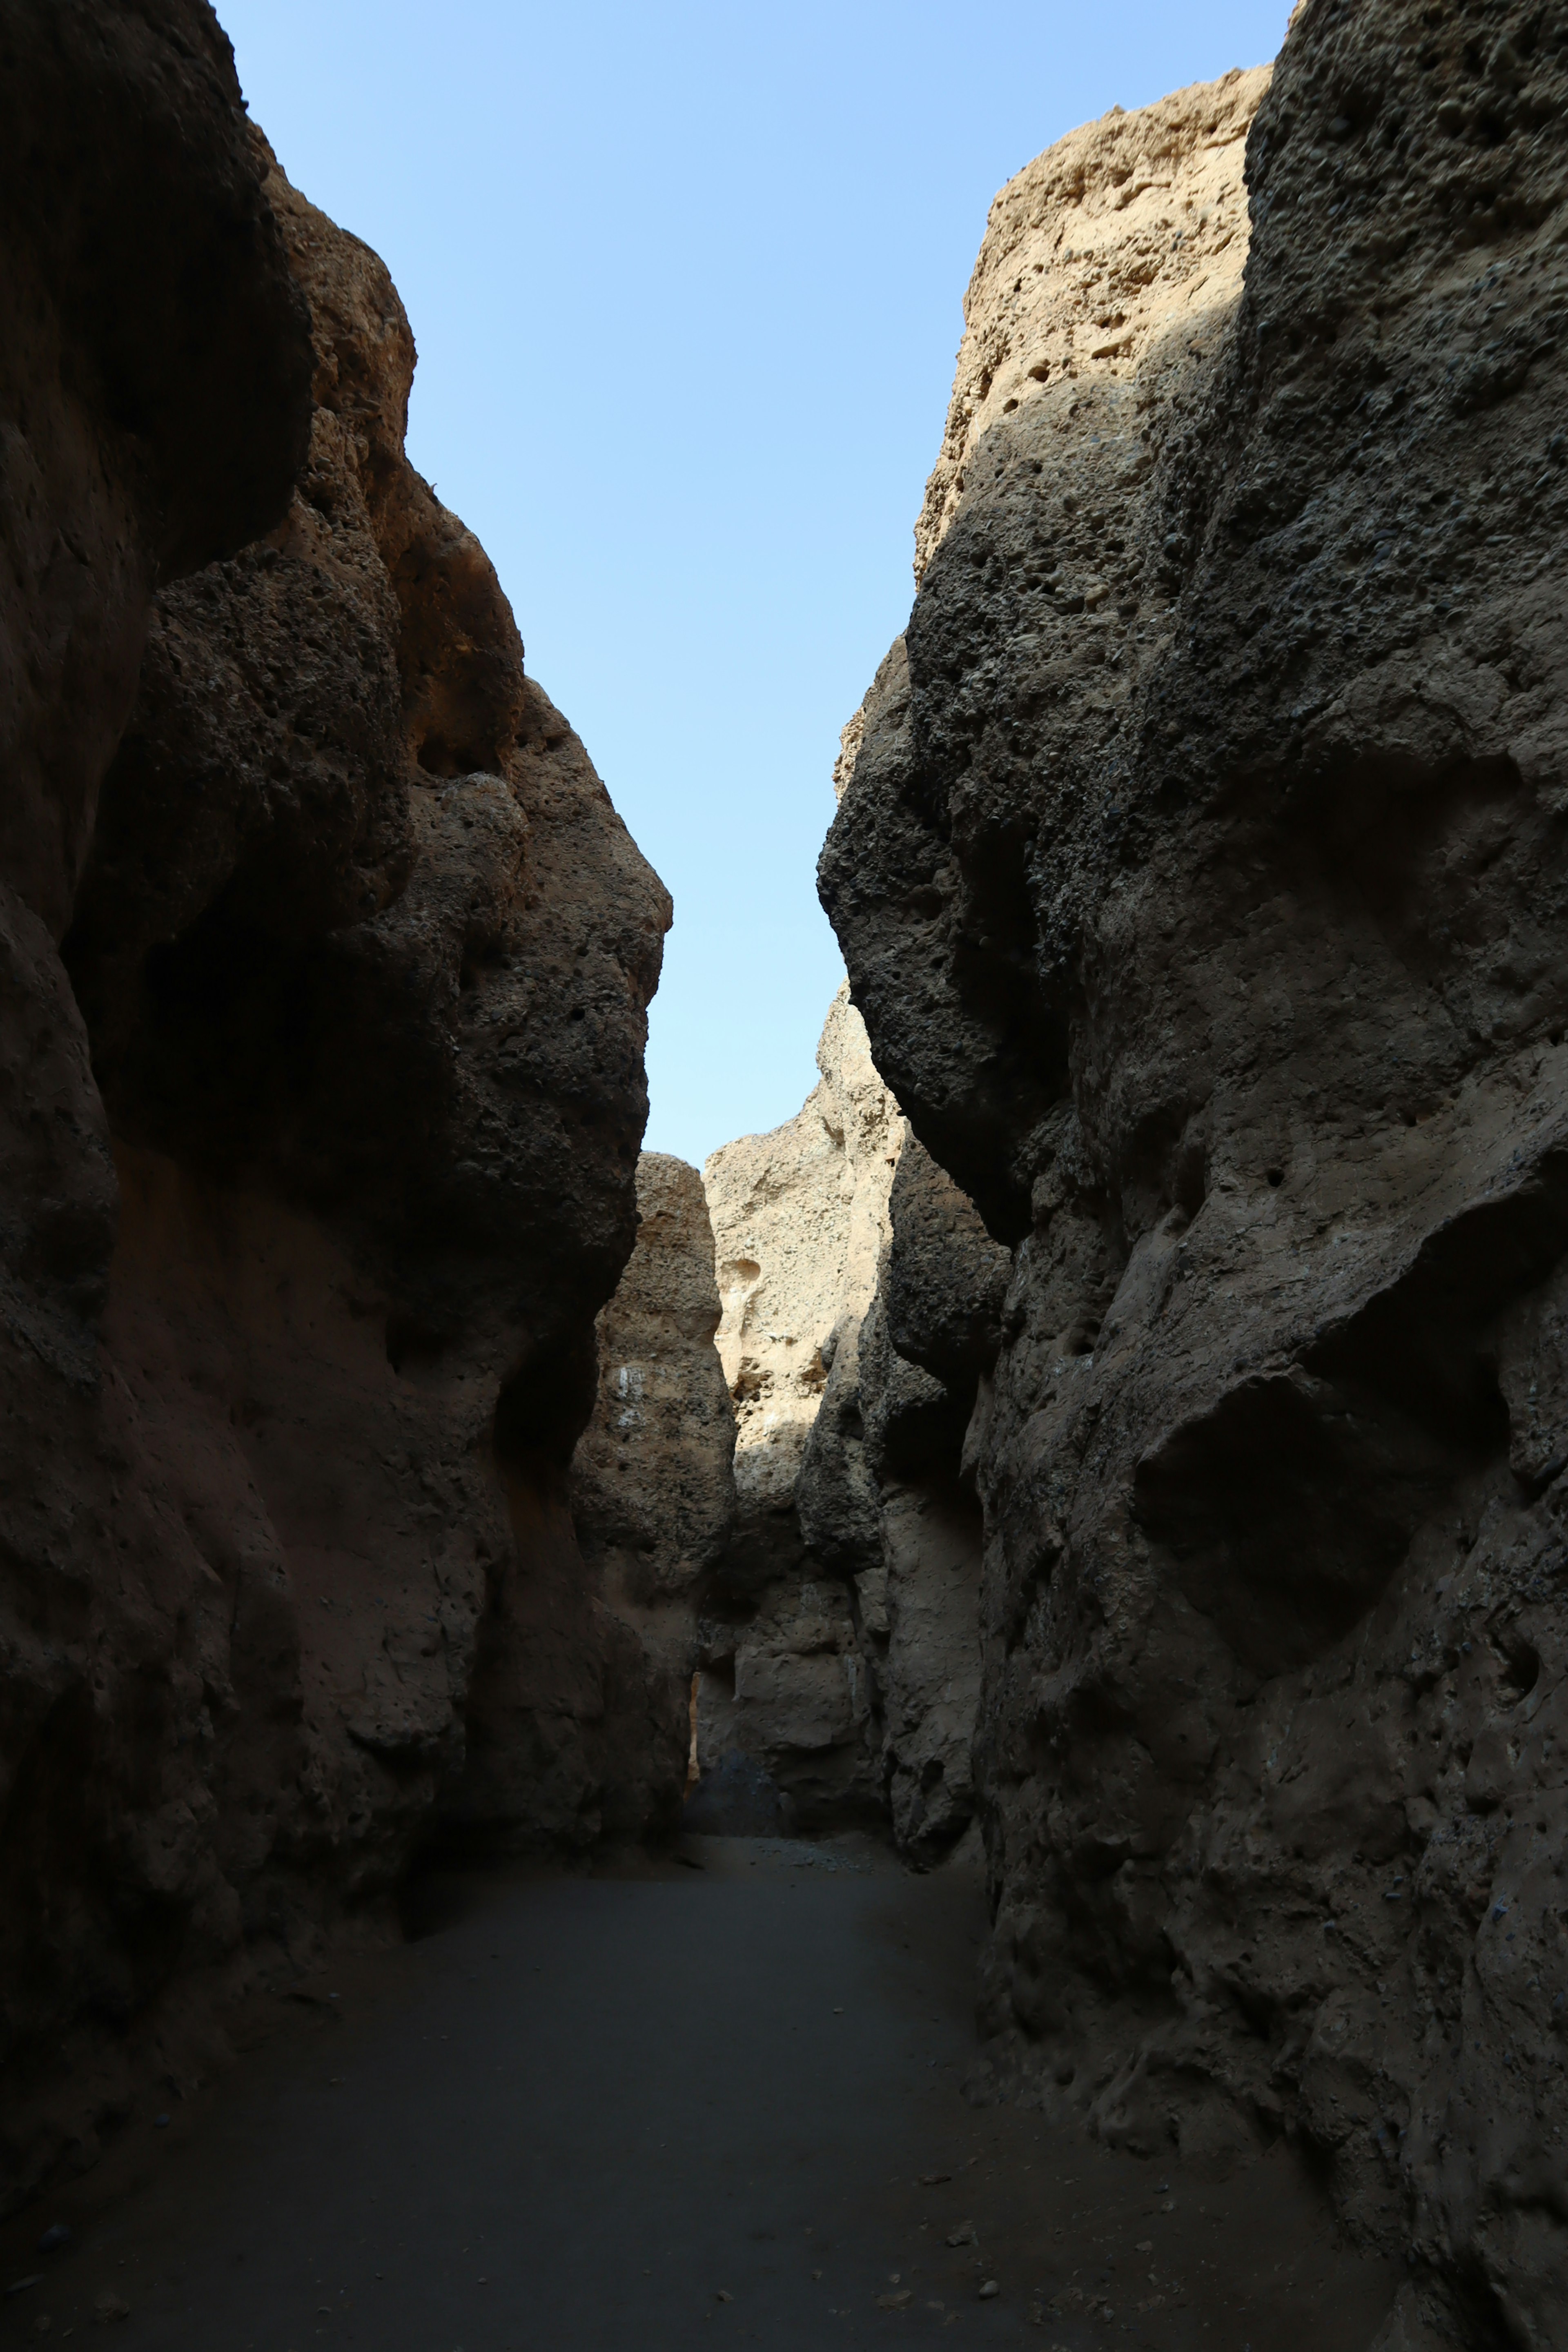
(1198, 878)
(329, 966)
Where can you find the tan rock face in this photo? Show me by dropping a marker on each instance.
(1115, 243)
(319, 1157)
(653, 1482)
(800, 1218)
(838, 1639)
(1208, 929)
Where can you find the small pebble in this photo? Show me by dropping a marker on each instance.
(988, 2290)
(56, 2234)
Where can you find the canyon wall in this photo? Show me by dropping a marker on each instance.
(329, 963)
(653, 1478)
(785, 1733)
(1199, 879)
(838, 1664)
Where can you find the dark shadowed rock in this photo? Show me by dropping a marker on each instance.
(319, 1165)
(653, 1482)
(846, 1670)
(1199, 880)
(945, 1278)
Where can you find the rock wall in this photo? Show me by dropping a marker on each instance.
(784, 1724)
(328, 961)
(800, 1220)
(653, 1480)
(1198, 879)
(838, 1635)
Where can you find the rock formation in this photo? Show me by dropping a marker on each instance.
(838, 1636)
(1198, 878)
(800, 1220)
(653, 1481)
(328, 961)
(799, 1217)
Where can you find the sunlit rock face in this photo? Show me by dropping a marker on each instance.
(1198, 875)
(329, 960)
(838, 1636)
(800, 1219)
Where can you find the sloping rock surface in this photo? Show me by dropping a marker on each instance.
(317, 1147)
(1199, 879)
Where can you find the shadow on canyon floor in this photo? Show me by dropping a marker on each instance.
(673, 2106)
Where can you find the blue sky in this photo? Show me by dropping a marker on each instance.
(686, 281)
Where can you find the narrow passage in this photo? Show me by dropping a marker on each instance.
(668, 2103)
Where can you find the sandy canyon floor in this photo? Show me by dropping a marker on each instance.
(674, 2102)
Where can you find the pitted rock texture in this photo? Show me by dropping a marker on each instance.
(838, 1639)
(800, 1219)
(320, 1163)
(653, 1479)
(1119, 240)
(1199, 879)
(155, 376)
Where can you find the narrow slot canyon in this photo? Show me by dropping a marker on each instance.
(948, 1725)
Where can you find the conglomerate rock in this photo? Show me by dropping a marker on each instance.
(302, 1266)
(1199, 878)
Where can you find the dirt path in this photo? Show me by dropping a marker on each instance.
(671, 2106)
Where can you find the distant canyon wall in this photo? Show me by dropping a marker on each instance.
(782, 1517)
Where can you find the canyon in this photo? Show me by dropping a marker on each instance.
(1113, 1438)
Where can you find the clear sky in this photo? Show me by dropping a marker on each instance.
(686, 280)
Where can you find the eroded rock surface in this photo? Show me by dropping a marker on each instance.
(840, 1660)
(318, 1144)
(653, 1480)
(1199, 876)
(800, 1220)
